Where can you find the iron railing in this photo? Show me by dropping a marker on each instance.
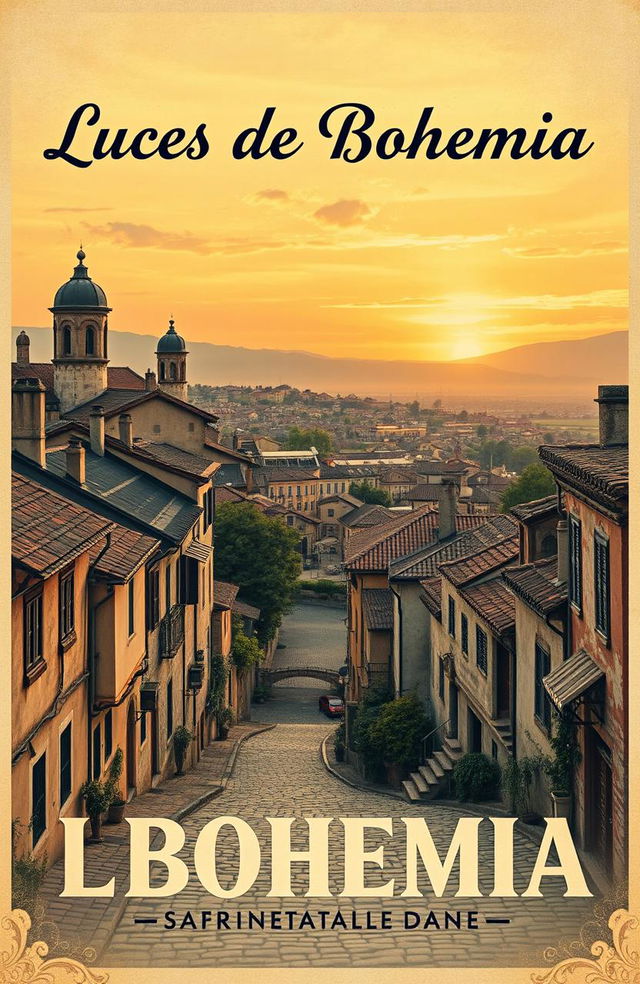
(428, 737)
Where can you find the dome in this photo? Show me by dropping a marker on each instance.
(80, 291)
(23, 338)
(171, 342)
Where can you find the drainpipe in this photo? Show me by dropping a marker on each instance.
(400, 653)
(91, 644)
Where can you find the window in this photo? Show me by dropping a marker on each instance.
(343, 487)
(66, 341)
(90, 341)
(33, 632)
(143, 728)
(169, 709)
(548, 546)
(481, 650)
(289, 520)
(65, 764)
(298, 490)
(494, 750)
(131, 601)
(601, 578)
(97, 752)
(189, 580)
(167, 586)
(162, 372)
(38, 799)
(66, 604)
(331, 512)
(441, 678)
(108, 735)
(541, 697)
(153, 598)
(290, 488)
(173, 375)
(464, 634)
(452, 617)
(208, 508)
(575, 562)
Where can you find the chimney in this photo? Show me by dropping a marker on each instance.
(22, 349)
(96, 430)
(614, 415)
(150, 381)
(126, 429)
(447, 508)
(28, 417)
(563, 551)
(76, 461)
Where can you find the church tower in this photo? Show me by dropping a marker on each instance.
(172, 363)
(80, 360)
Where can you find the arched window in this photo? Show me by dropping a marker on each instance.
(548, 546)
(172, 371)
(182, 371)
(90, 340)
(162, 372)
(66, 341)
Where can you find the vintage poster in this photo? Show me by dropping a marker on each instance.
(318, 578)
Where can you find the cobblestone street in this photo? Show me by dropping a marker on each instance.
(280, 773)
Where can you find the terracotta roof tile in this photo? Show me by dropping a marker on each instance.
(242, 608)
(367, 514)
(602, 473)
(432, 595)
(426, 561)
(375, 549)
(526, 511)
(224, 593)
(377, 604)
(475, 565)
(536, 585)
(127, 552)
(49, 531)
(493, 603)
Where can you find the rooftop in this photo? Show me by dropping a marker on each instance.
(537, 586)
(366, 514)
(377, 606)
(528, 511)
(602, 473)
(224, 594)
(425, 562)
(127, 552)
(47, 530)
(493, 602)
(432, 595)
(471, 566)
(244, 609)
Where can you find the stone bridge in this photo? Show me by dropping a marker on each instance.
(270, 676)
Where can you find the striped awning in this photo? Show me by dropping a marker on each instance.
(198, 551)
(572, 678)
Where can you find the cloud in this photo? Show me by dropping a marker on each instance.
(565, 252)
(480, 306)
(147, 237)
(272, 195)
(70, 208)
(346, 212)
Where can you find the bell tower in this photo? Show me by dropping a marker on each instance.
(172, 363)
(80, 359)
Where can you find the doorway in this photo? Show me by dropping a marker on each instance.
(474, 730)
(131, 749)
(600, 785)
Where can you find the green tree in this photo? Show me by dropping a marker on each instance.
(535, 482)
(313, 437)
(245, 650)
(367, 492)
(482, 431)
(397, 732)
(414, 409)
(548, 438)
(259, 554)
(521, 457)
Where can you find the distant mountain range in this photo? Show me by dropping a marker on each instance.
(557, 372)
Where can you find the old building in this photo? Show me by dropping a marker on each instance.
(172, 363)
(591, 685)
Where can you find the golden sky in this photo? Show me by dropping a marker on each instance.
(385, 259)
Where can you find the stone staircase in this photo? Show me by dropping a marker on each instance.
(502, 727)
(432, 778)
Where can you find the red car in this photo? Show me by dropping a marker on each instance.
(331, 706)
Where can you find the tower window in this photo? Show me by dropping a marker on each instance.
(66, 341)
(172, 371)
(90, 343)
(162, 372)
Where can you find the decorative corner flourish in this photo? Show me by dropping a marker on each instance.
(612, 964)
(22, 962)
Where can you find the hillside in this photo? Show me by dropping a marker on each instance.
(548, 371)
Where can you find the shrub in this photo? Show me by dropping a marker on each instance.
(398, 730)
(517, 779)
(98, 797)
(115, 771)
(567, 756)
(27, 876)
(182, 738)
(339, 736)
(245, 652)
(323, 586)
(363, 721)
(476, 777)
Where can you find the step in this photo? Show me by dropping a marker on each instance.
(410, 791)
(435, 767)
(452, 745)
(428, 775)
(419, 782)
(445, 761)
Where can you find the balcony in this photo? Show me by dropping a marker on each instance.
(172, 632)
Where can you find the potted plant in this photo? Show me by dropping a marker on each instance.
(118, 803)
(561, 766)
(225, 720)
(97, 798)
(338, 743)
(182, 738)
